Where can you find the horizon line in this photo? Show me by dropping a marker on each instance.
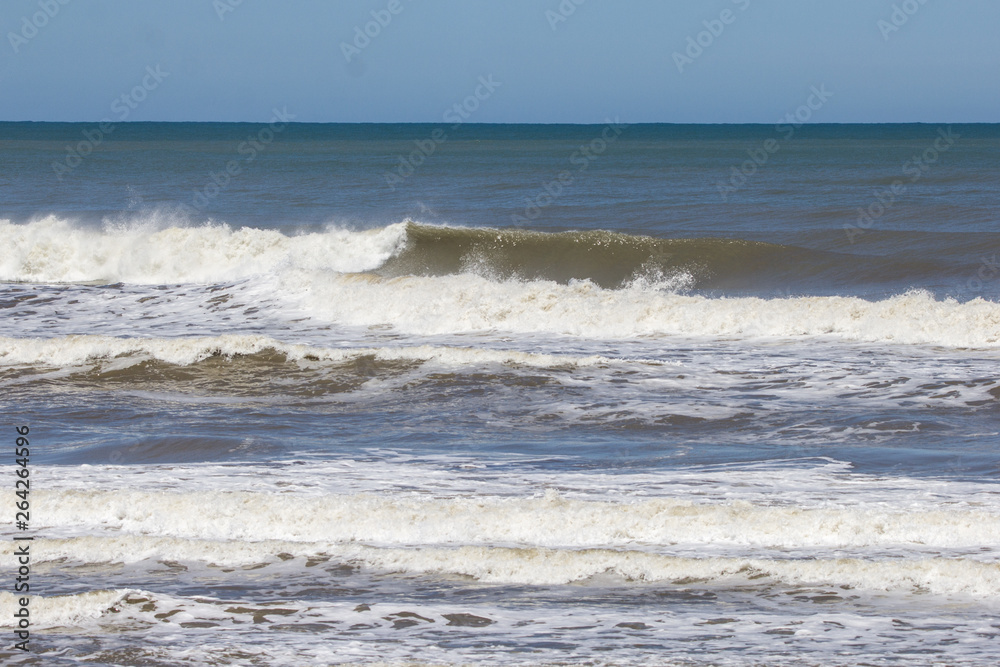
(525, 123)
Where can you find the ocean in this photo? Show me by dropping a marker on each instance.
(605, 394)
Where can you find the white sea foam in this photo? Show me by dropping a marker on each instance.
(816, 628)
(548, 521)
(541, 566)
(54, 250)
(70, 350)
(537, 565)
(806, 484)
(467, 303)
(61, 610)
(324, 278)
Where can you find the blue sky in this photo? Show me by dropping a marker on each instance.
(550, 60)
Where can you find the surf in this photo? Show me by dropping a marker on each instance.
(157, 248)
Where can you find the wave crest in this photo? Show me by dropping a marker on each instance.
(53, 250)
(155, 251)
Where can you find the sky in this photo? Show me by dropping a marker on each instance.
(500, 61)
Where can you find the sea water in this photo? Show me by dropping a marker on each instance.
(546, 394)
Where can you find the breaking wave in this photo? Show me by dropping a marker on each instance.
(425, 280)
(153, 252)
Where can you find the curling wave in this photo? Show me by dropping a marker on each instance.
(424, 280)
(53, 250)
